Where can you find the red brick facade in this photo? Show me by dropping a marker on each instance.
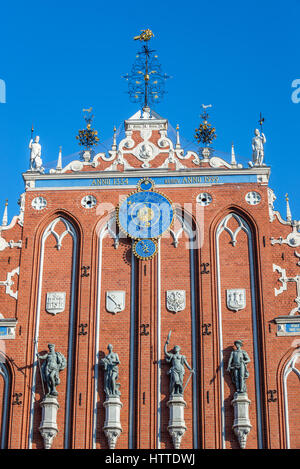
(240, 255)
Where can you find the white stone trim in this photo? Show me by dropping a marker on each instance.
(102, 234)
(290, 367)
(158, 313)
(8, 283)
(132, 350)
(244, 227)
(5, 408)
(48, 231)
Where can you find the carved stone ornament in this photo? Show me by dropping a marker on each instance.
(241, 425)
(176, 426)
(48, 427)
(175, 300)
(112, 425)
(236, 299)
(115, 301)
(55, 302)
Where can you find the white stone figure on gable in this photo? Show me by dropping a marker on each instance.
(35, 155)
(258, 142)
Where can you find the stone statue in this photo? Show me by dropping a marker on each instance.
(35, 155)
(111, 372)
(177, 370)
(258, 142)
(53, 364)
(237, 366)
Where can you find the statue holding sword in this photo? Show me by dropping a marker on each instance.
(177, 369)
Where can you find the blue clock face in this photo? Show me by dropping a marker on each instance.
(145, 249)
(145, 215)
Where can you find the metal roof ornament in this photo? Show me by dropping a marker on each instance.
(146, 81)
(87, 137)
(205, 133)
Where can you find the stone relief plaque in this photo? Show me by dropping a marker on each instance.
(236, 299)
(115, 301)
(55, 302)
(175, 300)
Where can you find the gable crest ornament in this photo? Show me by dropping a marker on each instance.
(236, 299)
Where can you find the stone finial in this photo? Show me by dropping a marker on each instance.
(178, 145)
(59, 160)
(288, 209)
(233, 159)
(114, 144)
(5, 218)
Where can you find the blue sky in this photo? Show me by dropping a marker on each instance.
(59, 57)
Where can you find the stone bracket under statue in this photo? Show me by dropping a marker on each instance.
(241, 424)
(176, 403)
(48, 427)
(112, 425)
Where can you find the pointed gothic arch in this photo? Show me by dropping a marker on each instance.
(243, 224)
(49, 231)
(5, 399)
(290, 369)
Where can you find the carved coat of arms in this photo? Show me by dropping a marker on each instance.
(115, 301)
(175, 300)
(236, 299)
(55, 302)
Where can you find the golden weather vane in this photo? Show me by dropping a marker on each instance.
(146, 35)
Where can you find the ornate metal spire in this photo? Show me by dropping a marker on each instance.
(88, 137)
(205, 133)
(146, 82)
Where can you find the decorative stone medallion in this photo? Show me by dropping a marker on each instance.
(88, 201)
(39, 203)
(236, 299)
(253, 198)
(115, 301)
(175, 300)
(204, 199)
(55, 302)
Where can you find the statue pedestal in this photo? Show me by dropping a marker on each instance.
(48, 427)
(241, 425)
(112, 425)
(176, 425)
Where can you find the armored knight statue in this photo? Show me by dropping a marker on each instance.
(237, 366)
(111, 373)
(54, 363)
(35, 155)
(258, 142)
(177, 369)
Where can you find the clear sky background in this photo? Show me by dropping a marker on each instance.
(58, 57)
